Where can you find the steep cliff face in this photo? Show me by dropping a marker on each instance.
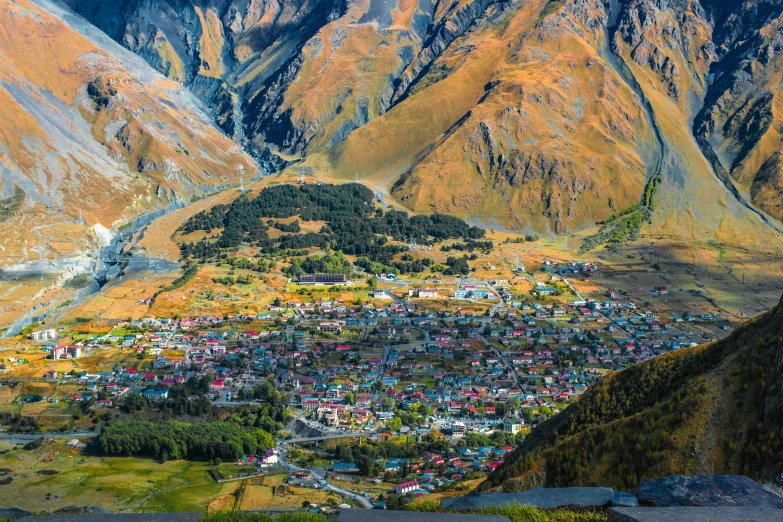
(739, 122)
(547, 114)
(282, 77)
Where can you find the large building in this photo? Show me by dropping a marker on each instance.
(404, 488)
(424, 293)
(512, 426)
(65, 352)
(322, 279)
(44, 335)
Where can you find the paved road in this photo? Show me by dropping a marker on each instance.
(364, 501)
(345, 435)
(24, 438)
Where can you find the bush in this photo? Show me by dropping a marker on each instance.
(519, 513)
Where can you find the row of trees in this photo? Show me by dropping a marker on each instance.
(225, 440)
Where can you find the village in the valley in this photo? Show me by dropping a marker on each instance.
(458, 370)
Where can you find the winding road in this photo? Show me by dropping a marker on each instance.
(361, 499)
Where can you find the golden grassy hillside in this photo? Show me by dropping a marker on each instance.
(522, 122)
(544, 115)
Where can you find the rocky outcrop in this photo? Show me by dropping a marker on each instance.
(703, 490)
(453, 25)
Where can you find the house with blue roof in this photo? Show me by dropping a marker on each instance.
(156, 395)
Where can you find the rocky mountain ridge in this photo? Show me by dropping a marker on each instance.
(554, 129)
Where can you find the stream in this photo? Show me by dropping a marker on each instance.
(112, 262)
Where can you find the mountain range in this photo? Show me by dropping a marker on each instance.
(538, 116)
(533, 115)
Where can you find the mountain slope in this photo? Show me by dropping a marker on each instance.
(91, 137)
(716, 408)
(93, 123)
(544, 115)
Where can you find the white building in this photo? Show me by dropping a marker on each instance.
(512, 426)
(404, 488)
(44, 335)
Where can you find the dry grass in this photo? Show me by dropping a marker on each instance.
(258, 494)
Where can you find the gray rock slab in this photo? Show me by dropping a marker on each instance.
(620, 499)
(13, 513)
(112, 517)
(545, 498)
(705, 490)
(379, 515)
(697, 514)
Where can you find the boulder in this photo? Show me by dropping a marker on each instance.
(620, 499)
(545, 498)
(696, 514)
(13, 513)
(705, 490)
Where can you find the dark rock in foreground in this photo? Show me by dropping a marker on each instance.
(696, 514)
(13, 513)
(81, 510)
(716, 490)
(620, 499)
(374, 515)
(544, 498)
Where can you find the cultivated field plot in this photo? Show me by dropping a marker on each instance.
(36, 363)
(268, 492)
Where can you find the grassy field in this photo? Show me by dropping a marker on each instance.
(266, 492)
(54, 476)
(117, 484)
(523, 514)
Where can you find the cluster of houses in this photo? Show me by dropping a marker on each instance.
(432, 470)
(535, 353)
(525, 346)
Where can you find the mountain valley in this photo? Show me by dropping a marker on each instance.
(544, 234)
